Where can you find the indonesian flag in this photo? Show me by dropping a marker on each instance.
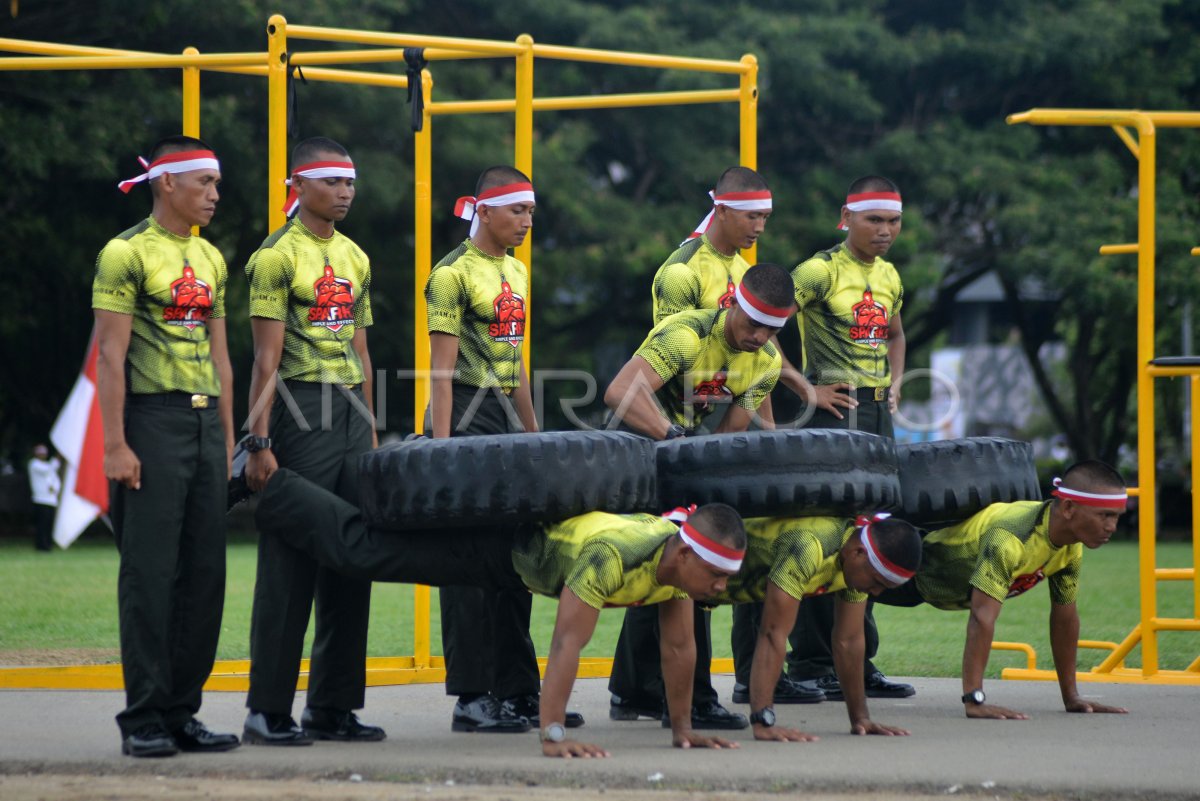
(78, 435)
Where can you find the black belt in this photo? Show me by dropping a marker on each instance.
(872, 393)
(315, 385)
(183, 400)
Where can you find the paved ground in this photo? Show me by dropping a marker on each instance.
(1152, 752)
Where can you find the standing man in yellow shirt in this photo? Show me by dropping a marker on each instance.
(310, 307)
(166, 399)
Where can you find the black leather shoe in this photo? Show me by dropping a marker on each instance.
(151, 740)
(786, 692)
(483, 715)
(195, 736)
(239, 490)
(878, 686)
(334, 724)
(268, 728)
(529, 707)
(631, 708)
(712, 716)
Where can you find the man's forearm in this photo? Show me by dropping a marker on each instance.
(1064, 645)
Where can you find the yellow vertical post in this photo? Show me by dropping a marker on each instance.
(1147, 503)
(748, 125)
(423, 258)
(191, 96)
(523, 161)
(191, 105)
(277, 78)
(1195, 423)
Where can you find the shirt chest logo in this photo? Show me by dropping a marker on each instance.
(1025, 583)
(334, 304)
(191, 300)
(509, 311)
(870, 321)
(712, 391)
(726, 300)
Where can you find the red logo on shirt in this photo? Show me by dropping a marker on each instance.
(334, 305)
(509, 308)
(1022, 584)
(191, 300)
(726, 300)
(712, 391)
(870, 321)
(818, 591)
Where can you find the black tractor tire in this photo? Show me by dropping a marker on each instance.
(949, 480)
(783, 472)
(505, 478)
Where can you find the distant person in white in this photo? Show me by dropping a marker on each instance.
(44, 485)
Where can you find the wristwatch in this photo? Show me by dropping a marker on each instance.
(975, 697)
(675, 431)
(554, 733)
(255, 444)
(763, 717)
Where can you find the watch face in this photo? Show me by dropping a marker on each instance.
(765, 717)
(554, 733)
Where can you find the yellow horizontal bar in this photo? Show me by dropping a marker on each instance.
(637, 99)
(1099, 645)
(1113, 250)
(588, 102)
(233, 675)
(485, 46)
(122, 62)
(1196, 251)
(448, 107)
(563, 53)
(1074, 116)
(1025, 648)
(52, 48)
(355, 77)
(1175, 574)
(1123, 676)
(1133, 492)
(1159, 371)
(377, 55)
(1175, 624)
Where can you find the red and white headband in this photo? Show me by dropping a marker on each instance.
(316, 169)
(759, 310)
(1100, 501)
(719, 556)
(869, 201)
(742, 201)
(507, 195)
(890, 571)
(182, 161)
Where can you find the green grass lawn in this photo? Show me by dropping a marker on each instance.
(65, 601)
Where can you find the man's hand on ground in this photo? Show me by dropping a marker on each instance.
(993, 712)
(569, 749)
(867, 726)
(782, 734)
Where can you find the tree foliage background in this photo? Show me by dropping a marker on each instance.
(914, 89)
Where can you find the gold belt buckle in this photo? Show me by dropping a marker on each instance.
(880, 393)
(199, 401)
(349, 387)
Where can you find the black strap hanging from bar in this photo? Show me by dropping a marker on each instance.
(414, 57)
(293, 98)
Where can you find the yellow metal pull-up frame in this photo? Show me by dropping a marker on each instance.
(384, 47)
(1125, 123)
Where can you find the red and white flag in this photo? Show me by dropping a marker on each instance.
(78, 435)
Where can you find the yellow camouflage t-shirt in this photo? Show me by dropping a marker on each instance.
(802, 555)
(482, 300)
(171, 285)
(696, 276)
(320, 289)
(606, 559)
(845, 307)
(1003, 551)
(701, 371)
